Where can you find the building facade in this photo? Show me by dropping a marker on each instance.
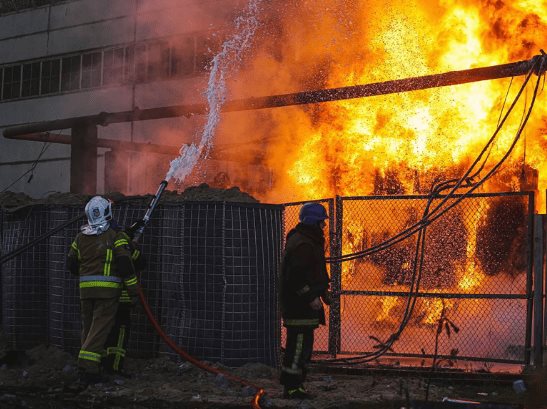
(65, 59)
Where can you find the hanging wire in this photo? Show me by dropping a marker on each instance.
(420, 226)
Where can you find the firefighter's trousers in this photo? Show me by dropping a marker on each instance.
(98, 317)
(298, 351)
(116, 344)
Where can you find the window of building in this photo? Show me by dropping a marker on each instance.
(31, 79)
(182, 57)
(158, 60)
(8, 6)
(50, 76)
(70, 73)
(141, 63)
(129, 64)
(91, 70)
(12, 82)
(113, 66)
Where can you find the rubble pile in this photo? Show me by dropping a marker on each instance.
(12, 201)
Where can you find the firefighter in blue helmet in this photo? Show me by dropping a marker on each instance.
(304, 286)
(101, 257)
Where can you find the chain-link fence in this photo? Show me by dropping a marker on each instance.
(290, 220)
(474, 276)
(212, 278)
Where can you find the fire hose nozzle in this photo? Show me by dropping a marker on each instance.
(151, 207)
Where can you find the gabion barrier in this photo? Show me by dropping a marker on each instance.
(476, 278)
(210, 279)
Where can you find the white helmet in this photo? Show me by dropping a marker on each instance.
(99, 213)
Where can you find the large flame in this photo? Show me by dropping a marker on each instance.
(394, 144)
(344, 147)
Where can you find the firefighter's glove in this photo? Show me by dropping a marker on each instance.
(131, 230)
(327, 297)
(316, 304)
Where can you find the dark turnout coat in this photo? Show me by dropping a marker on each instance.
(303, 276)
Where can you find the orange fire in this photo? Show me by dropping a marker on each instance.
(341, 147)
(399, 143)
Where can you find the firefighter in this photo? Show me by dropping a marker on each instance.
(116, 343)
(101, 257)
(303, 289)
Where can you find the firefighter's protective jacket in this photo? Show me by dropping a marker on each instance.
(103, 263)
(304, 276)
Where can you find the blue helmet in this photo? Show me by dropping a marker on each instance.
(312, 213)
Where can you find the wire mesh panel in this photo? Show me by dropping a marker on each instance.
(220, 299)
(291, 213)
(25, 278)
(473, 276)
(64, 295)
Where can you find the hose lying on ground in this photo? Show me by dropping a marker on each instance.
(201, 365)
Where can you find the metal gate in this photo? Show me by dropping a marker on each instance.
(474, 298)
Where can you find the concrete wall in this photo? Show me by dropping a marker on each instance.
(74, 26)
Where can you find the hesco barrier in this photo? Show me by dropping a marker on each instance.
(210, 278)
(476, 275)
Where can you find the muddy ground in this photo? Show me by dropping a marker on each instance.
(47, 378)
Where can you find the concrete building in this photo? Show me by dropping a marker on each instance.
(63, 59)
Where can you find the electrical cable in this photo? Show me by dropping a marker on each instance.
(45, 146)
(24, 247)
(412, 297)
(424, 221)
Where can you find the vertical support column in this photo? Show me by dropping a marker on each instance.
(538, 290)
(529, 280)
(116, 169)
(83, 159)
(336, 278)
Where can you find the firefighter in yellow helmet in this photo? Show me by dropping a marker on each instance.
(101, 257)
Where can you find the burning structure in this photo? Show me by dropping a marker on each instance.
(399, 144)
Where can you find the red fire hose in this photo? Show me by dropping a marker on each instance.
(183, 354)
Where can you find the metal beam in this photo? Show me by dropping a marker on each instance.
(101, 143)
(83, 159)
(298, 98)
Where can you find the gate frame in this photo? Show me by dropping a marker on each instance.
(534, 317)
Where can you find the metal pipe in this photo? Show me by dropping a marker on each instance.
(297, 98)
(101, 143)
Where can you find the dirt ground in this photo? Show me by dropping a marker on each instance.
(46, 378)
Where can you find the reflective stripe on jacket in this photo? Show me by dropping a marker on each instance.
(102, 261)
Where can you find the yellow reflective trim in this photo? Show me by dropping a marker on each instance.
(131, 281)
(121, 352)
(89, 356)
(121, 242)
(297, 351)
(103, 284)
(301, 322)
(74, 246)
(135, 254)
(108, 261)
(291, 371)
